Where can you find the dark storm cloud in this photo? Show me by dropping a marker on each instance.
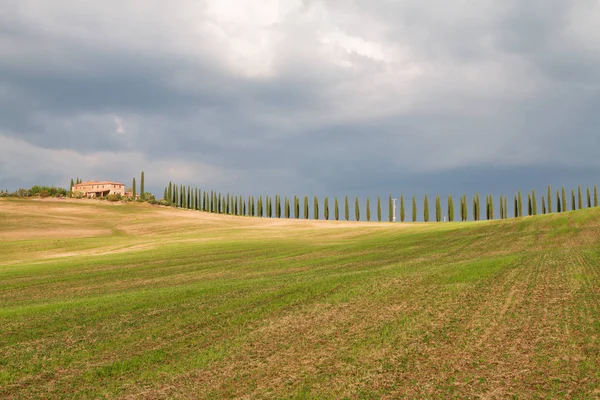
(406, 95)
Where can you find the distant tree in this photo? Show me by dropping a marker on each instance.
(402, 211)
(487, 207)
(477, 216)
(414, 209)
(241, 205)
(346, 209)
(558, 205)
(595, 196)
(529, 208)
(573, 207)
(390, 209)
(438, 209)
(337, 210)
(165, 194)
(296, 207)
(505, 208)
(543, 205)
(357, 209)
(501, 208)
(579, 199)
(368, 210)
(549, 200)
(268, 207)
(133, 186)
(189, 198)
(287, 208)
(520, 204)
(170, 192)
(305, 207)
(564, 200)
(316, 208)
(142, 187)
(534, 202)
(589, 198)
(277, 206)
(379, 208)
(491, 206)
(426, 209)
(450, 209)
(71, 185)
(326, 208)
(516, 211)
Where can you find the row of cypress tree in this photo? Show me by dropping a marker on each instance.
(290, 207)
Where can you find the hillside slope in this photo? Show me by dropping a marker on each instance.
(115, 300)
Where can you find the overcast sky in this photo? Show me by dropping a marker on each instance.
(302, 97)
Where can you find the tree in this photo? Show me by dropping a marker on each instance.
(326, 208)
(426, 209)
(142, 189)
(170, 192)
(337, 210)
(133, 186)
(491, 206)
(543, 205)
(534, 202)
(287, 208)
(316, 208)
(346, 209)
(564, 200)
(390, 209)
(305, 207)
(165, 194)
(71, 185)
(579, 199)
(573, 207)
(589, 198)
(516, 210)
(414, 209)
(549, 200)
(296, 207)
(277, 206)
(505, 208)
(438, 209)
(529, 208)
(501, 208)
(450, 209)
(476, 208)
(357, 210)
(595, 196)
(368, 211)
(402, 211)
(558, 205)
(379, 208)
(520, 204)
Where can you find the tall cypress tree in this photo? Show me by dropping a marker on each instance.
(501, 208)
(165, 194)
(491, 206)
(133, 185)
(487, 207)
(438, 209)
(337, 210)
(142, 190)
(558, 205)
(296, 207)
(529, 208)
(516, 211)
(305, 207)
(589, 198)
(402, 211)
(534, 202)
(426, 209)
(368, 210)
(357, 209)
(564, 200)
(477, 207)
(71, 185)
(505, 208)
(287, 208)
(390, 209)
(595, 196)
(378, 208)
(579, 199)
(520, 204)
(450, 209)
(414, 209)
(474, 209)
(326, 208)
(573, 207)
(316, 208)
(277, 206)
(170, 192)
(549, 200)
(463, 206)
(189, 199)
(543, 205)
(346, 209)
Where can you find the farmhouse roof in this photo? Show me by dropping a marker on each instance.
(99, 183)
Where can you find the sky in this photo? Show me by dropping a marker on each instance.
(328, 98)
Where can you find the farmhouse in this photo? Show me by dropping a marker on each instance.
(99, 189)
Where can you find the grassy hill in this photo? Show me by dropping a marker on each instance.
(128, 300)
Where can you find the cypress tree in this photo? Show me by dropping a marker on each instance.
(505, 208)
(402, 211)
(426, 209)
(181, 195)
(170, 192)
(346, 209)
(165, 194)
(438, 209)
(579, 199)
(142, 190)
(337, 210)
(589, 198)
(414, 209)
(501, 208)
(534, 202)
(71, 186)
(198, 199)
(549, 200)
(529, 208)
(390, 209)
(558, 205)
(241, 205)
(133, 185)
(474, 209)
(357, 209)
(260, 206)
(463, 207)
(219, 204)
(573, 207)
(368, 211)
(595, 196)
(543, 205)
(287, 208)
(378, 209)
(268, 207)
(520, 204)
(491, 206)
(305, 207)
(326, 208)
(277, 206)
(316, 208)
(516, 211)
(477, 207)
(189, 199)
(450, 209)
(296, 207)
(564, 200)
(487, 207)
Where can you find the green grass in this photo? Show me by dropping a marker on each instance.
(100, 300)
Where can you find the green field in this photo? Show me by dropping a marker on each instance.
(101, 300)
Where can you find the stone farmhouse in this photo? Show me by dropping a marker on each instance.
(99, 189)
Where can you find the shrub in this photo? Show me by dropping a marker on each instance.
(77, 194)
(44, 193)
(113, 197)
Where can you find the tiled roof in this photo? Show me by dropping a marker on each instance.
(89, 183)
